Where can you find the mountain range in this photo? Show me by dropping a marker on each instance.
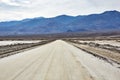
(108, 20)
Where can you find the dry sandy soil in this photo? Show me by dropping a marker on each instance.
(56, 61)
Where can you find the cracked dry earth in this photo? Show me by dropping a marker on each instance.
(57, 60)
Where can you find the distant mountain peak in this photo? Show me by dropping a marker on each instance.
(112, 12)
(64, 16)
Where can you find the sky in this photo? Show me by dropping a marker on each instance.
(21, 9)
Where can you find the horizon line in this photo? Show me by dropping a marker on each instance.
(58, 16)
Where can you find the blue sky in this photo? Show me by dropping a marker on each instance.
(21, 9)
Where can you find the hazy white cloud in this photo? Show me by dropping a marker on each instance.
(15, 2)
(20, 9)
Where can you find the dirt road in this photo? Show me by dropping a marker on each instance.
(56, 61)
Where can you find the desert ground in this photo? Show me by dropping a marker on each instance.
(12, 42)
(64, 60)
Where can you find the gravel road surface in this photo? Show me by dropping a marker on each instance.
(57, 60)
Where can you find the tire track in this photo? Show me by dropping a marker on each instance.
(48, 58)
(26, 68)
(66, 76)
(56, 70)
(46, 78)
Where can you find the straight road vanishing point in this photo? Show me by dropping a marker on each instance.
(58, 60)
